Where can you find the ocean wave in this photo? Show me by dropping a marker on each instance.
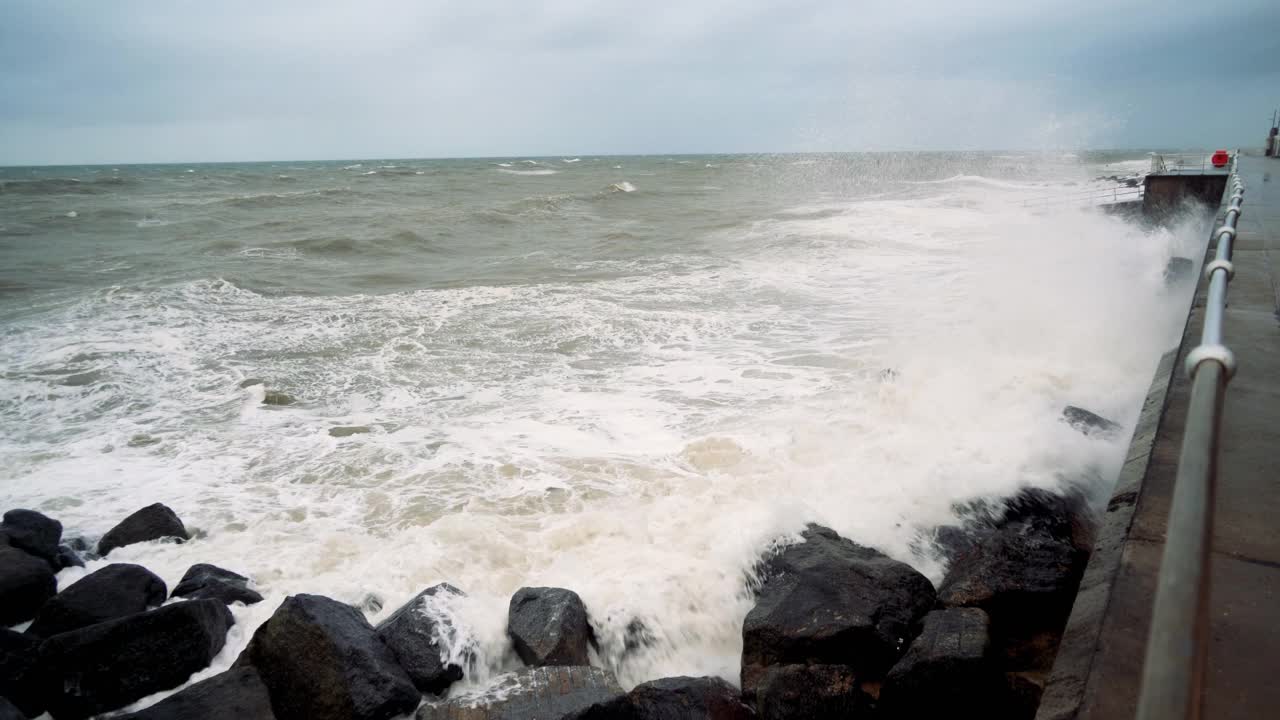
(269, 200)
(64, 186)
(529, 173)
(340, 245)
(623, 187)
(978, 180)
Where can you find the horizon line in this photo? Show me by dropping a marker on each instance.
(1063, 151)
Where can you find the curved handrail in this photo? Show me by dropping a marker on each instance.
(1173, 672)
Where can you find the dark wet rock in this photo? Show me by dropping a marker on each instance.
(26, 583)
(831, 601)
(111, 592)
(17, 671)
(84, 548)
(210, 581)
(321, 660)
(370, 603)
(67, 558)
(341, 432)
(1178, 269)
(237, 694)
(412, 631)
(543, 693)
(33, 532)
(1089, 423)
(677, 698)
(548, 626)
(1024, 574)
(1065, 513)
(152, 522)
(637, 636)
(9, 711)
(250, 382)
(106, 666)
(800, 692)
(275, 397)
(948, 666)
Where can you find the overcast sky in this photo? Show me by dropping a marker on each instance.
(115, 82)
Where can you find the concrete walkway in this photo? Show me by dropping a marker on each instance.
(1245, 601)
(1099, 667)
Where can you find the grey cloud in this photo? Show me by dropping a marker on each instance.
(175, 81)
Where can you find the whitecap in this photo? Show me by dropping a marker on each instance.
(571, 160)
(623, 186)
(543, 171)
(72, 214)
(353, 167)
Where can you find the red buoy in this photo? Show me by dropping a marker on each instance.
(1220, 158)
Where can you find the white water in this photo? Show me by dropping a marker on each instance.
(638, 440)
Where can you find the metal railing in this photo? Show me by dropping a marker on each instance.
(1173, 672)
(1096, 196)
(1166, 163)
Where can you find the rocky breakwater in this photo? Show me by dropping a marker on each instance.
(840, 630)
(107, 640)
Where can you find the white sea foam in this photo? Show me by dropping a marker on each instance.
(639, 439)
(623, 186)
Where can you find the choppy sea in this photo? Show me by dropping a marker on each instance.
(621, 375)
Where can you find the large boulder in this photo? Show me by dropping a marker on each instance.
(33, 532)
(948, 667)
(67, 557)
(111, 592)
(830, 601)
(9, 711)
(676, 698)
(413, 633)
(321, 660)
(26, 583)
(549, 626)
(543, 693)
(17, 671)
(106, 666)
(204, 581)
(1090, 423)
(1024, 573)
(153, 522)
(237, 694)
(799, 692)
